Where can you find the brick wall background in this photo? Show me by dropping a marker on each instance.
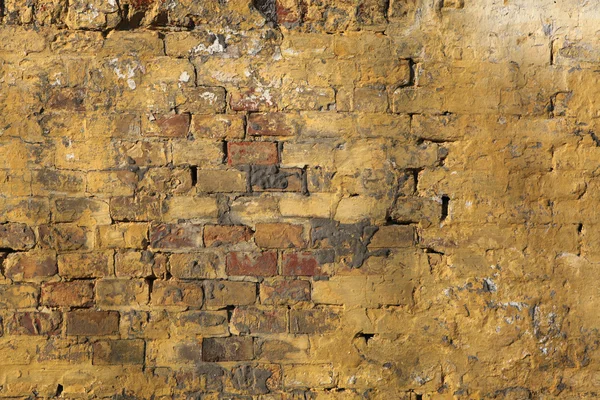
(299, 199)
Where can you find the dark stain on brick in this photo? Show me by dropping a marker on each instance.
(271, 177)
(251, 380)
(349, 241)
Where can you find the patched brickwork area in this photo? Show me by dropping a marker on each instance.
(299, 199)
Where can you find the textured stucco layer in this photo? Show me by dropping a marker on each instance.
(299, 199)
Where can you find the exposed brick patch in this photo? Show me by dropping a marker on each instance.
(252, 153)
(252, 264)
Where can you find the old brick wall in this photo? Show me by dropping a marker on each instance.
(299, 199)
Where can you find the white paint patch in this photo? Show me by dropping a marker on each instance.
(70, 156)
(129, 74)
(184, 77)
(215, 47)
(209, 96)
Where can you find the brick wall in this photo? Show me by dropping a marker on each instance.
(299, 199)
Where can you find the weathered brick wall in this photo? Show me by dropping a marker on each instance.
(299, 199)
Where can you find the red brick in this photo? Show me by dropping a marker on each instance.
(253, 99)
(217, 235)
(68, 99)
(173, 125)
(286, 15)
(34, 323)
(279, 236)
(282, 292)
(252, 153)
(252, 264)
(301, 264)
(271, 124)
(92, 323)
(30, 265)
(118, 352)
(233, 348)
(68, 294)
(255, 320)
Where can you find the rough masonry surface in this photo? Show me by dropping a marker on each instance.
(299, 199)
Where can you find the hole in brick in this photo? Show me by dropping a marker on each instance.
(445, 206)
(162, 19)
(366, 336)
(413, 72)
(579, 228)
(194, 172)
(59, 390)
(150, 280)
(418, 396)
(268, 9)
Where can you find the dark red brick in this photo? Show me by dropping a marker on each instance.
(252, 153)
(30, 265)
(174, 125)
(78, 293)
(34, 323)
(302, 264)
(118, 352)
(252, 264)
(233, 348)
(92, 323)
(68, 99)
